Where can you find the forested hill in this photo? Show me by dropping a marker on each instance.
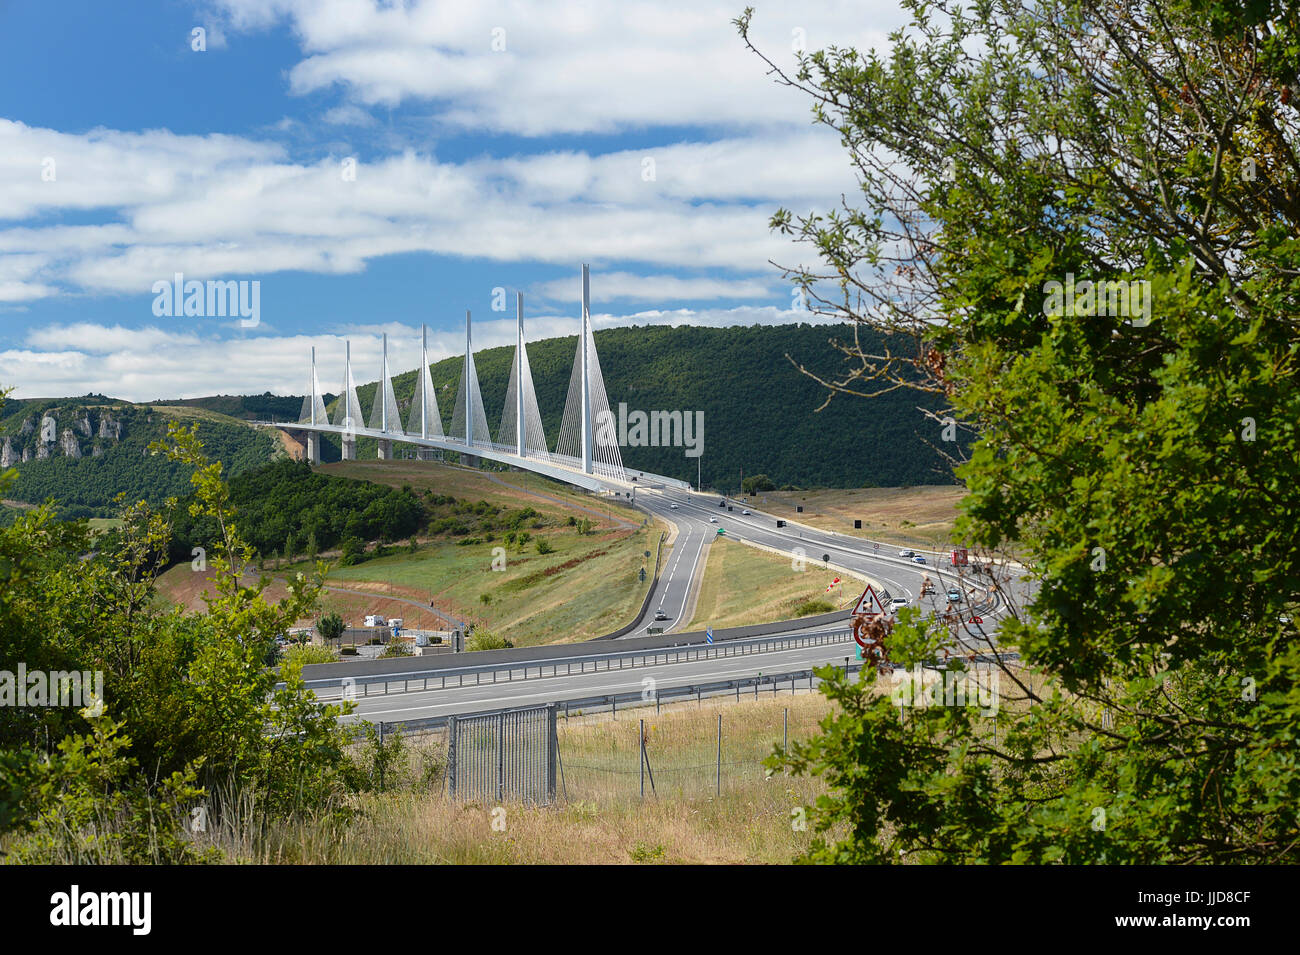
(84, 451)
(759, 411)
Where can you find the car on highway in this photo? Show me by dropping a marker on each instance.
(897, 604)
(713, 520)
(672, 505)
(744, 512)
(660, 615)
(907, 553)
(954, 595)
(722, 503)
(918, 559)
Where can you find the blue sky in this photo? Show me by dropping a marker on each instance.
(495, 145)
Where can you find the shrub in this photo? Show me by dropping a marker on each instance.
(544, 546)
(353, 551)
(487, 640)
(809, 607)
(309, 654)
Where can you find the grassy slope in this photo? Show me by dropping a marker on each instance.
(586, 587)
(744, 585)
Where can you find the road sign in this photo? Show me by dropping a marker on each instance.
(708, 635)
(868, 605)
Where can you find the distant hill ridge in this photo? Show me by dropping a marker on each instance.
(759, 416)
(759, 410)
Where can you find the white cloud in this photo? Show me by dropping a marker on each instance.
(219, 206)
(565, 67)
(348, 115)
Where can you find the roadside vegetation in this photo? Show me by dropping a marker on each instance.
(1140, 454)
(600, 818)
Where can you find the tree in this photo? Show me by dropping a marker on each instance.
(190, 712)
(330, 626)
(353, 551)
(1133, 444)
(757, 484)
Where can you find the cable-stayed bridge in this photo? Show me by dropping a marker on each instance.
(586, 452)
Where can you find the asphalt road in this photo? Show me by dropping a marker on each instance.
(415, 704)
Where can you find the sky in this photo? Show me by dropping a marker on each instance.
(375, 166)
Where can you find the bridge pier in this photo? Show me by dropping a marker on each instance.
(385, 450)
(313, 447)
(469, 461)
(349, 447)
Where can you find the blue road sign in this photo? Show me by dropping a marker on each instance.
(708, 635)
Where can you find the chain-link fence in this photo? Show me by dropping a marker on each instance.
(681, 751)
(509, 755)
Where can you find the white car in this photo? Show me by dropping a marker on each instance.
(907, 553)
(713, 520)
(744, 512)
(673, 506)
(897, 604)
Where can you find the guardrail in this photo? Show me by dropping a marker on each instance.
(350, 687)
(611, 701)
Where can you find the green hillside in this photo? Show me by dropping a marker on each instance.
(759, 411)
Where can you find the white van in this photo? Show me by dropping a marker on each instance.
(375, 620)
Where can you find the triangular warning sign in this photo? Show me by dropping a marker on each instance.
(868, 605)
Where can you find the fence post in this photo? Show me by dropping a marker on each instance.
(719, 785)
(641, 753)
(501, 755)
(553, 751)
(785, 724)
(451, 755)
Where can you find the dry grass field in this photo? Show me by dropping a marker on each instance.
(744, 585)
(601, 819)
(913, 516)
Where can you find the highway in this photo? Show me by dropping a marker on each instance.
(415, 704)
(877, 562)
(691, 516)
